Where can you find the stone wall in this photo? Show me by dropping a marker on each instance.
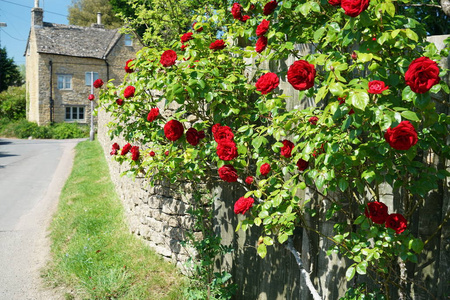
(157, 214)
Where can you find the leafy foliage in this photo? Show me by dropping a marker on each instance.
(84, 13)
(9, 74)
(13, 103)
(346, 146)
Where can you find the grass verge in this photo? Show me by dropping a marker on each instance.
(93, 252)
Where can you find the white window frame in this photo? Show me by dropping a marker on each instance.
(128, 40)
(87, 77)
(77, 110)
(64, 81)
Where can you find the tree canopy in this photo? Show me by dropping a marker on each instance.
(84, 13)
(9, 72)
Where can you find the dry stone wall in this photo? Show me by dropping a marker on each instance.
(157, 214)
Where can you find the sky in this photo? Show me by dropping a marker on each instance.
(17, 16)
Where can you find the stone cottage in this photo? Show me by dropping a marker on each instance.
(63, 60)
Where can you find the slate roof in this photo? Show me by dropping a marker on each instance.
(70, 40)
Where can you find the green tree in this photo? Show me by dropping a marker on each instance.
(156, 22)
(84, 13)
(9, 72)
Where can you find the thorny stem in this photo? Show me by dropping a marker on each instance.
(304, 273)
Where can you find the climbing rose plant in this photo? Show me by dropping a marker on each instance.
(371, 75)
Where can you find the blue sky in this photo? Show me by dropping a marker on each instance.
(17, 15)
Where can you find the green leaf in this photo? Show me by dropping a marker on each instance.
(258, 141)
(319, 33)
(283, 237)
(262, 250)
(321, 93)
(360, 219)
(359, 99)
(412, 35)
(268, 241)
(416, 245)
(361, 268)
(336, 89)
(422, 100)
(410, 115)
(257, 221)
(390, 8)
(350, 272)
(343, 184)
(408, 94)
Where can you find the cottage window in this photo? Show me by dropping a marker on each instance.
(65, 82)
(88, 77)
(128, 41)
(74, 113)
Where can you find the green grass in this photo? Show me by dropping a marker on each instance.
(93, 252)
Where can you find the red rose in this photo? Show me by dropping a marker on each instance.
(119, 101)
(115, 147)
(183, 47)
(217, 45)
(302, 164)
(201, 134)
(261, 44)
(152, 153)
(173, 130)
(402, 137)
(236, 11)
(192, 136)
(354, 55)
(249, 180)
(199, 29)
(242, 205)
(127, 66)
(168, 58)
(286, 150)
(153, 114)
(377, 87)
(228, 173)
(129, 92)
(215, 127)
(244, 18)
(125, 149)
(186, 37)
(313, 120)
(301, 75)
(223, 133)
(226, 150)
(262, 28)
(267, 83)
(422, 74)
(134, 153)
(98, 83)
(264, 169)
(396, 222)
(91, 97)
(334, 2)
(166, 153)
(376, 211)
(270, 7)
(353, 8)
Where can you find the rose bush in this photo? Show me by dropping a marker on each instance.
(372, 99)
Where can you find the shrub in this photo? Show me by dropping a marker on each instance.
(13, 103)
(23, 129)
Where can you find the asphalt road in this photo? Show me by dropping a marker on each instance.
(32, 174)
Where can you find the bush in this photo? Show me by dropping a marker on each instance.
(23, 129)
(13, 103)
(69, 131)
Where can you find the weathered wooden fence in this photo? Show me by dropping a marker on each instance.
(159, 216)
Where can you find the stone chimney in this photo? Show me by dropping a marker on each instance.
(37, 15)
(99, 21)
